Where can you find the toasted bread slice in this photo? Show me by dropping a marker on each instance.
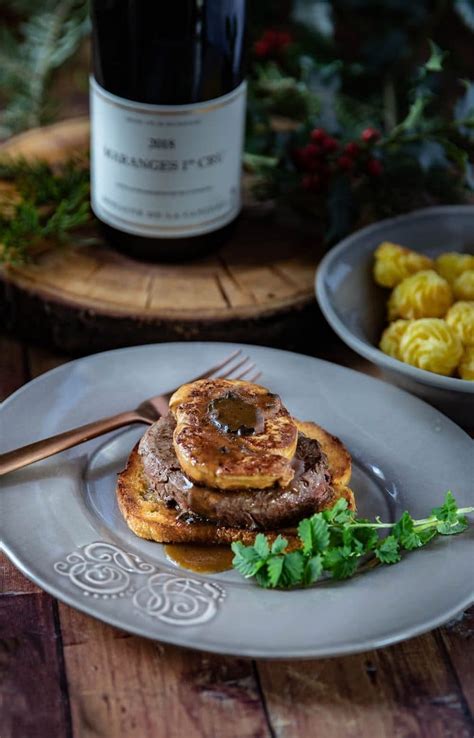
(338, 456)
(151, 519)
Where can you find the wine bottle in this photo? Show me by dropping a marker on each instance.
(167, 123)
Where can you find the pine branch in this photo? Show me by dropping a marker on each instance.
(40, 207)
(48, 38)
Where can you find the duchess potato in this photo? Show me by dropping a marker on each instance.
(463, 286)
(431, 344)
(466, 365)
(423, 295)
(391, 337)
(451, 264)
(393, 263)
(461, 319)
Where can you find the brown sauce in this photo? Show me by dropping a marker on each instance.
(233, 414)
(201, 559)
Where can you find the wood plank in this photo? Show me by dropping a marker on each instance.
(12, 581)
(179, 291)
(33, 697)
(121, 685)
(64, 269)
(59, 141)
(458, 639)
(404, 690)
(13, 371)
(236, 294)
(33, 692)
(301, 272)
(264, 284)
(113, 285)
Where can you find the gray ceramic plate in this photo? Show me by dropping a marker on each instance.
(61, 526)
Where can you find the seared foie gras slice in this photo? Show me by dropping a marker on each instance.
(233, 435)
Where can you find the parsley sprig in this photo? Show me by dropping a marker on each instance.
(334, 542)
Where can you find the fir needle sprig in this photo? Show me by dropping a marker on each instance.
(40, 206)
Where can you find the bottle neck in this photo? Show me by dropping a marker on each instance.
(171, 54)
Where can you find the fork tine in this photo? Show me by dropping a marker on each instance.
(253, 377)
(245, 371)
(218, 367)
(234, 368)
(212, 372)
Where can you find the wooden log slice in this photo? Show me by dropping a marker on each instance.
(258, 288)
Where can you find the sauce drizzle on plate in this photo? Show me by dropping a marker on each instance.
(200, 559)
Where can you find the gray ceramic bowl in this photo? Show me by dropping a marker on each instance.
(355, 306)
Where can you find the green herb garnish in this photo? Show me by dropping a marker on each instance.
(333, 543)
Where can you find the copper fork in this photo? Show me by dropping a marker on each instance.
(147, 412)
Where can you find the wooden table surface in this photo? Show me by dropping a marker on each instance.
(64, 674)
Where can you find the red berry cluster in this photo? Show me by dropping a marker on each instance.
(324, 156)
(272, 44)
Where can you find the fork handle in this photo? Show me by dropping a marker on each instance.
(48, 446)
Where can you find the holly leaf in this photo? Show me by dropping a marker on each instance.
(415, 113)
(437, 56)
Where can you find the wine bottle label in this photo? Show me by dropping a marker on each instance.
(166, 171)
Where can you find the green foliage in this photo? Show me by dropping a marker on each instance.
(388, 551)
(49, 36)
(419, 160)
(302, 76)
(44, 205)
(335, 542)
